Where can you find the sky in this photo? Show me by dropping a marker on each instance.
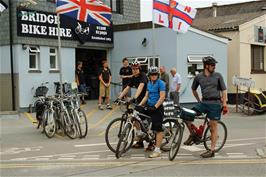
(146, 5)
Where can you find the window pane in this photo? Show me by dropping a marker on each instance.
(52, 62)
(257, 57)
(52, 50)
(32, 63)
(114, 5)
(107, 2)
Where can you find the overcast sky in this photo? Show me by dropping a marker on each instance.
(146, 5)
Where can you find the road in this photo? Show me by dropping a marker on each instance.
(25, 151)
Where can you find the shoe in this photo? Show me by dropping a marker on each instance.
(138, 145)
(150, 147)
(189, 141)
(155, 154)
(83, 102)
(207, 154)
(109, 107)
(100, 107)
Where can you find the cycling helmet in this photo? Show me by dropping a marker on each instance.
(153, 70)
(135, 64)
(208, 60)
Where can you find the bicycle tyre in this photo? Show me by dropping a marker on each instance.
(171, 125)
(71, 130)
(123, 141)
(207, 138)
(82, 124)
(49, 123)
(112, 144)
(176, 143)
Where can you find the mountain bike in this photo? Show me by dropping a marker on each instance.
(201, 134)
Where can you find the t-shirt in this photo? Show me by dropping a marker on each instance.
(176, 80)
(154, 90)
(165, 78)
(126, 71)
(135, 81)
(80, 75)
(106, 73)
(211, 86)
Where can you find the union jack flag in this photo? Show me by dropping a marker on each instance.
(89, 11)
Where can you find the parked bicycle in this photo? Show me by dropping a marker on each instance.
(201, 134)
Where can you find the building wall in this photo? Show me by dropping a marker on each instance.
(246, 39)
(172, 48)
(233, 58)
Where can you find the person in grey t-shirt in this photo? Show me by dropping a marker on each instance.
(213, 93)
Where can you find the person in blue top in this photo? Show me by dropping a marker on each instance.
(153, 99)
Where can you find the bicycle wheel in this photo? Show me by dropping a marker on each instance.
(49, 123)
(113, 132)
(248, 108)
(221, 137)
(82, 123)
(70, 128)
(124, 140)
(169, 126)
(176, 142)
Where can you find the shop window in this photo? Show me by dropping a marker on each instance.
(145, 62)
(34, 58)
(116, 5)
(53, 59)
(195, 65)
(257, 59)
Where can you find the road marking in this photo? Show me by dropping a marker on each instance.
(258, 138)
(104, 118)
(90, 113)
(192, 148)
(235, 145)
(33, 121)
(89, 145)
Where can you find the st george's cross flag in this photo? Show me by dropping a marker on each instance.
(172, 14)
(89, 11)
(3, 6)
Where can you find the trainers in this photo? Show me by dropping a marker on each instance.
(189, 141)
(155, 154)
(138, 145)
(207, 154)
(100, 107)
(109, 107)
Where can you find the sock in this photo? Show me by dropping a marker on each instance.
(157, 149)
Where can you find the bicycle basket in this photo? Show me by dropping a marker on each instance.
(187, 114)
(169, 108)
(41, 91)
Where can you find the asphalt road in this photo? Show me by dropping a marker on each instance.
(25, 151)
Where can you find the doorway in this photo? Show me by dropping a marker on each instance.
(92, 62)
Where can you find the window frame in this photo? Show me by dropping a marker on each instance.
(56, 59)
(252, 54)
(195, 60)
(34, 51)
(145, 61)
(118, 5)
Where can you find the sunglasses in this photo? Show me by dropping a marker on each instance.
(153, 74)
(213, 65)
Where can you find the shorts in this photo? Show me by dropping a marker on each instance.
(129, 91)
(213, 110)
(104, 91)
(82, 88)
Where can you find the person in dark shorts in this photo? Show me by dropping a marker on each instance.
(153, 99)
(80, 80)
(126, 75)
(105, 78)
(213, 94)
(165, 77)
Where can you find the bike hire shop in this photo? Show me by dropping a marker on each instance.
(37, 62)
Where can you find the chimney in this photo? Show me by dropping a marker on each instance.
(214, 9)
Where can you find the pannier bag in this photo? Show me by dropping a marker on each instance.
(169, 108)
(187, 114)
(41, 91)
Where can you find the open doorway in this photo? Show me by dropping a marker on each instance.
(92, 62)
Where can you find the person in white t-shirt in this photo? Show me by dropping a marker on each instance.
(175, 86)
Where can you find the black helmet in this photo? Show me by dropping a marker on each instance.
(208, 60)
(153, 70)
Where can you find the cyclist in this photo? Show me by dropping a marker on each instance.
(139, 81)
(154, 98)
(213, 92)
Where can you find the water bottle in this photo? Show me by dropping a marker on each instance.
(146, 124)
(200, 130)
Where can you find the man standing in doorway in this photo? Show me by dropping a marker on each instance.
(165, 78)
(126, 75)
(105, 80)
(175, 86)
(80, 80)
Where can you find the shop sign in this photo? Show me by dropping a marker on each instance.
(39, 24)
(260, 34)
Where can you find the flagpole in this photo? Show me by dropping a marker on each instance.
(59, 55)
(153, 36)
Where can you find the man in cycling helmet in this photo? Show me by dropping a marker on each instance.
(214, 97)
(153, 101)
(138, 81)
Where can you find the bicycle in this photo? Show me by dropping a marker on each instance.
(201, 134)
(148, 135)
